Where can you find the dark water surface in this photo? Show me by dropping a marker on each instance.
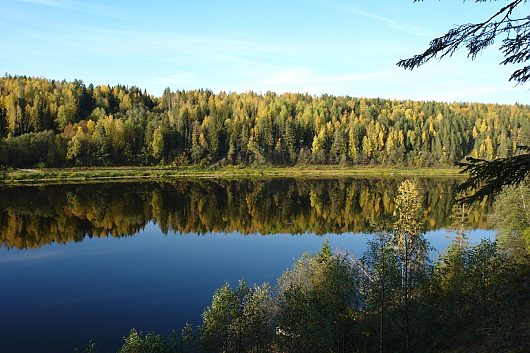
(80, 262)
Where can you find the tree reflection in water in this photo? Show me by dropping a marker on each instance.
(32, 216)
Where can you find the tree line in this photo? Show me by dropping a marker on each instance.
(474, 297)
(50, 123)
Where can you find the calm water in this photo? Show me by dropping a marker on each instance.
(80, 262)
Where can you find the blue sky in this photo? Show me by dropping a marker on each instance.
(314, 46)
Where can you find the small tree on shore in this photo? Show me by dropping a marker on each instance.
(411, 247)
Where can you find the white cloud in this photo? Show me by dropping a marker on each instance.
(72, 6)
(295, 75)
(179, 79)
(392, 24)
(53, 3)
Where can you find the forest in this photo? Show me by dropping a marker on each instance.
(49, 123)
(472, 298)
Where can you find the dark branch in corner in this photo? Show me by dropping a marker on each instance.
(476, 37)
(488, 178)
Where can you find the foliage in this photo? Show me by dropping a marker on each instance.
(408, 225)
(476, 37)
(90, 348)
(476, 289)
(411, 250)
(65, 124)
(511, 218)
(238, 320)
(488, 176)
(381, 287)
(138, 342)
(3, 171)
(315, 301)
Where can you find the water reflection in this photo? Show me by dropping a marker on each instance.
(34, 216)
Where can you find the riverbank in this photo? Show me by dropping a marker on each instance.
(164, 173)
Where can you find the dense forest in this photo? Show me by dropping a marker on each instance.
(47, 123)
(473, 298)
(31, 217)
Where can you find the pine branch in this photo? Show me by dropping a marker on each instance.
(488, 178)
(476, 37)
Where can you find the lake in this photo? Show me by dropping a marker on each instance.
(92, 261)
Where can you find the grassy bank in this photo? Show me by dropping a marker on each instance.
(163, 173)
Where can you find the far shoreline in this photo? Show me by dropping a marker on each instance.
(164, 173)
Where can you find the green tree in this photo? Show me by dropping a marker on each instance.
(137, 342)
(382, 283)
(511, 219)
(158, 144)
(411, 248)
(316, 298)
(238, 320)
